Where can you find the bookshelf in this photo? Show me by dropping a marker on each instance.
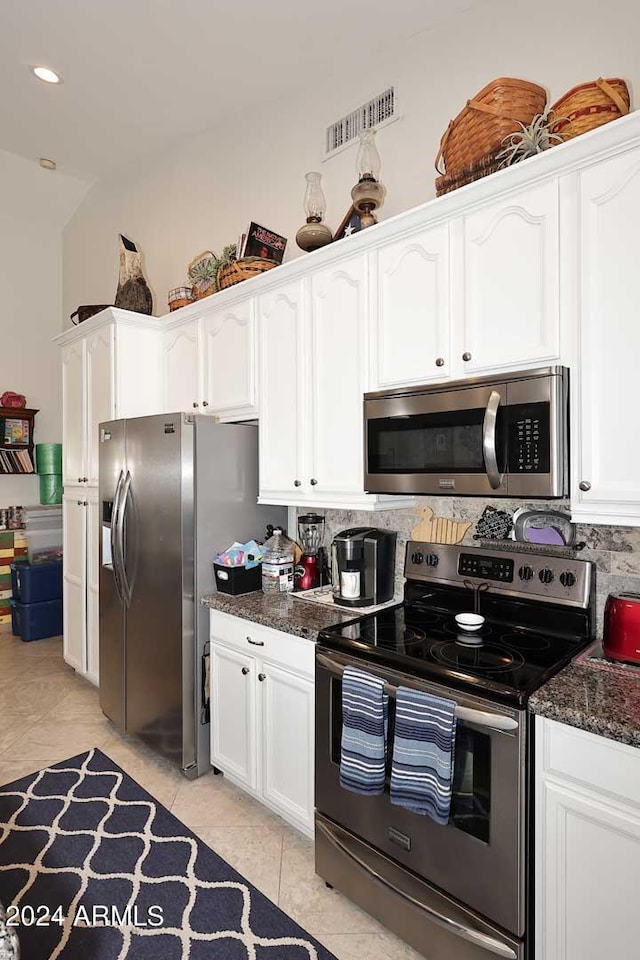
(16, 440)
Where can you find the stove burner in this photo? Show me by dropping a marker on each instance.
(488, 658)
(525, 641)
(383, 634)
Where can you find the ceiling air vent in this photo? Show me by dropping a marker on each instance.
(375, 113)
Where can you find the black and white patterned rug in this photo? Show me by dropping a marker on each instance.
(96, 869)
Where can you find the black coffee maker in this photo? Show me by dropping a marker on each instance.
(363, 561)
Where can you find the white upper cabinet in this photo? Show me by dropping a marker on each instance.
(182, 376)
(230, 361)
(606, 455)
(282, 399)
(506, 257)
(110, 369)
(410, 318)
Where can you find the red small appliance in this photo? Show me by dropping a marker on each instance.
(621, 637)
(309, 569)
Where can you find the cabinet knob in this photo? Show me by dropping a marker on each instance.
(205, 403)
(584, 485)
(85, 479)
(466, 356)
(195, 405)
(262, 676)
(79, 502)
(440, 362)
(314, 482)
(79, 479)
(297, 483)
(245, 671)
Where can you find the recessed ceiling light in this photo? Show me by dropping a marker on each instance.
(47, 164)
(46, 74)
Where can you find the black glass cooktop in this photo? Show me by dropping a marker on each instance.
(505, 659)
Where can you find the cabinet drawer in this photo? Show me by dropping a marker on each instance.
(587, 759)
(284, 649)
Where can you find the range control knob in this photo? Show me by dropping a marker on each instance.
(525, 573)
(567, 579)
(546, 575)
(432, 559)
(417, 558)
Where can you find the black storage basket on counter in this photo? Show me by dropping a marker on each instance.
(237, 580)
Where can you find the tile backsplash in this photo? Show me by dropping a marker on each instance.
(614, 550)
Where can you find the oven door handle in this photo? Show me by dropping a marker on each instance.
(489, 427)
(481, 718)
(482, 940)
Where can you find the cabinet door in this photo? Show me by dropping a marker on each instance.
(606, 454)
(230, 360)
(74, 518)
(181, 374)
(511, 294)
(92, 580)
(283, 406)
(337, 360)
(411, 318)
(74, 415)
(233, 714)
(99, 392)
(588, 867)
(287, 743)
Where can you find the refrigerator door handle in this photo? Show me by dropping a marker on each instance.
(113, 536)
(126, 586)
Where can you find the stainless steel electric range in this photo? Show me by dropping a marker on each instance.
(458, 892)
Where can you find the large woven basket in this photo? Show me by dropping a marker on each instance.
(240, 270)
(481, 126)
(451, 181)
(590, 105)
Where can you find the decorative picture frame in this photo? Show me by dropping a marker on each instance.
(350, 224)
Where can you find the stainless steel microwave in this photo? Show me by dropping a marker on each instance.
(499, 436)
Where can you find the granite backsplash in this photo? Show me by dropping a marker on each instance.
(614, 550)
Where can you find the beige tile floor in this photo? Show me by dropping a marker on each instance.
(48, 713)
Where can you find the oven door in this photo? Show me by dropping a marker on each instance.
(437, 442)
(478, 858)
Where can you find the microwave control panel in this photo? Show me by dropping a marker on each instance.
(529, 438)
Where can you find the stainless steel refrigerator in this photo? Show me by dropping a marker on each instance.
(175, 489)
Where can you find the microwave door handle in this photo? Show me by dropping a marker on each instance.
(489, 440)
(477, 937)
(481, 718)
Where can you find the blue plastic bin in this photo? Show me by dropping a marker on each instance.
(35, 621)
(33, 583)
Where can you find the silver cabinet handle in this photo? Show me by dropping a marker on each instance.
(440, 362)
(297, 483)
(466, 356)
(256, 643)
(205, 403)
(489, 440)
(584, 485)
(194, 405)
(79, 502)
(262, 676)
(245, 671)
(85, 479)
(314, 482)
(79, 479)
(453, 926)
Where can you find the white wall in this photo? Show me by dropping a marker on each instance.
(201, 192)
(34, 204)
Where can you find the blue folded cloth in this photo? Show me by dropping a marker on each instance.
(423, 752)
(364, 731)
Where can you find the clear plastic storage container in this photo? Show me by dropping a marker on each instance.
(277, 564)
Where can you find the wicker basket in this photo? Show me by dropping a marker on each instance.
(451, 181)
(481, 126)
(240, 270)
(590, 105)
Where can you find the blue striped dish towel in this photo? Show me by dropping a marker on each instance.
(423, 752)
(364, 732)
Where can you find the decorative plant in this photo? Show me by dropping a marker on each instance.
(203, 271)
(530, 140)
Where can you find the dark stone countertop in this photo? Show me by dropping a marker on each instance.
(299, 617)
(594, 695)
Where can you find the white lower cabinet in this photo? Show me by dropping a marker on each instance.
(80, 574)
(587, 845)
(262, 714)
